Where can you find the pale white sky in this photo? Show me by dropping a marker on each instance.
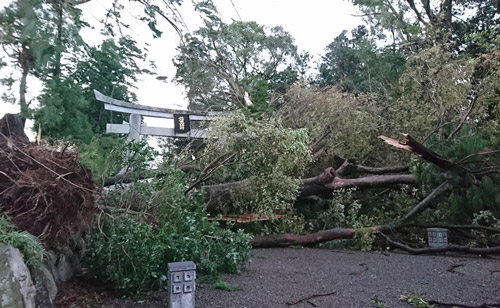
(313, 24)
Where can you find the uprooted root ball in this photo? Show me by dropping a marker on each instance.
(45, 190)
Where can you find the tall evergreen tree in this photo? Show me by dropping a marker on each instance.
(24, 39)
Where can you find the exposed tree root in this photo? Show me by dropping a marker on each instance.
(45, 191)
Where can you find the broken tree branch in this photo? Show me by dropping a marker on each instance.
(422, 205)
(459, 126)
(348, 168)
(309, 298)
(329, 180)
(210, 169)
(218, 195)
(414, 147)
(286, 240)
(450, 247)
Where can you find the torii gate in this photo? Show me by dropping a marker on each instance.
(134, 128)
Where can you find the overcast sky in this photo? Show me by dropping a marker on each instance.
(313, 24)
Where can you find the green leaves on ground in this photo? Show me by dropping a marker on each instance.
(153, 223)
(272, 156)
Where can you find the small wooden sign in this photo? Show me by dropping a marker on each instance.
(181, 123)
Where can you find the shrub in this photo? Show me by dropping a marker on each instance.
(132, 244)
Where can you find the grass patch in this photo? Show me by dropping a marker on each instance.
(224, 286)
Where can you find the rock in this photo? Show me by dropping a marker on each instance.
(50, 261)
(46, 288)
(16, 287)
(76, 265)
(64, 268)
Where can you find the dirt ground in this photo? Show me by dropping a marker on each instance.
(319, 277)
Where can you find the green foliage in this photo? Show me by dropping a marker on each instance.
(153, 223)
(342, 211)
(486, 218)
(29, 245)
(340, 124)
(378, 303)
(273, 157)
(345, 211)
(470, 194)
(111, 69)
(438, 89)
(421, 24)
(24, 36)
(102, 156)
(483, 238)
(62, 112)
(359, 66)
(364, 239)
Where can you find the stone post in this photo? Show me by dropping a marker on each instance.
(135, 127)
(181, 284)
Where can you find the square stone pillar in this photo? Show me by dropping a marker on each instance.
(181, 284)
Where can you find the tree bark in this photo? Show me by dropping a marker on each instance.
(25, 60)
(219, 195)
(287, 240)
(329, 181)
(414, 147)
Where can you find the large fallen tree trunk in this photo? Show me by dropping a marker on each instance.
(219, 195)
(330, 180)
(288, 239)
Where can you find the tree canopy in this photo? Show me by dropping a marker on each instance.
(220, 62)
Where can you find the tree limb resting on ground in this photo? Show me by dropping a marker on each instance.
(287, 240)
(442, 304)
(450, 247)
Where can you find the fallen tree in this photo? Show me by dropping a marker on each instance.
(220, 195)
(286, 240)
(329, 180)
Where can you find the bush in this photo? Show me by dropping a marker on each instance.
(132, 244)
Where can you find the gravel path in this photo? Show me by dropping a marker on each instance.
(276, 277)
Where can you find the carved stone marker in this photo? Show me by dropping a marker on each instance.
(437, 237)
(181, 284)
